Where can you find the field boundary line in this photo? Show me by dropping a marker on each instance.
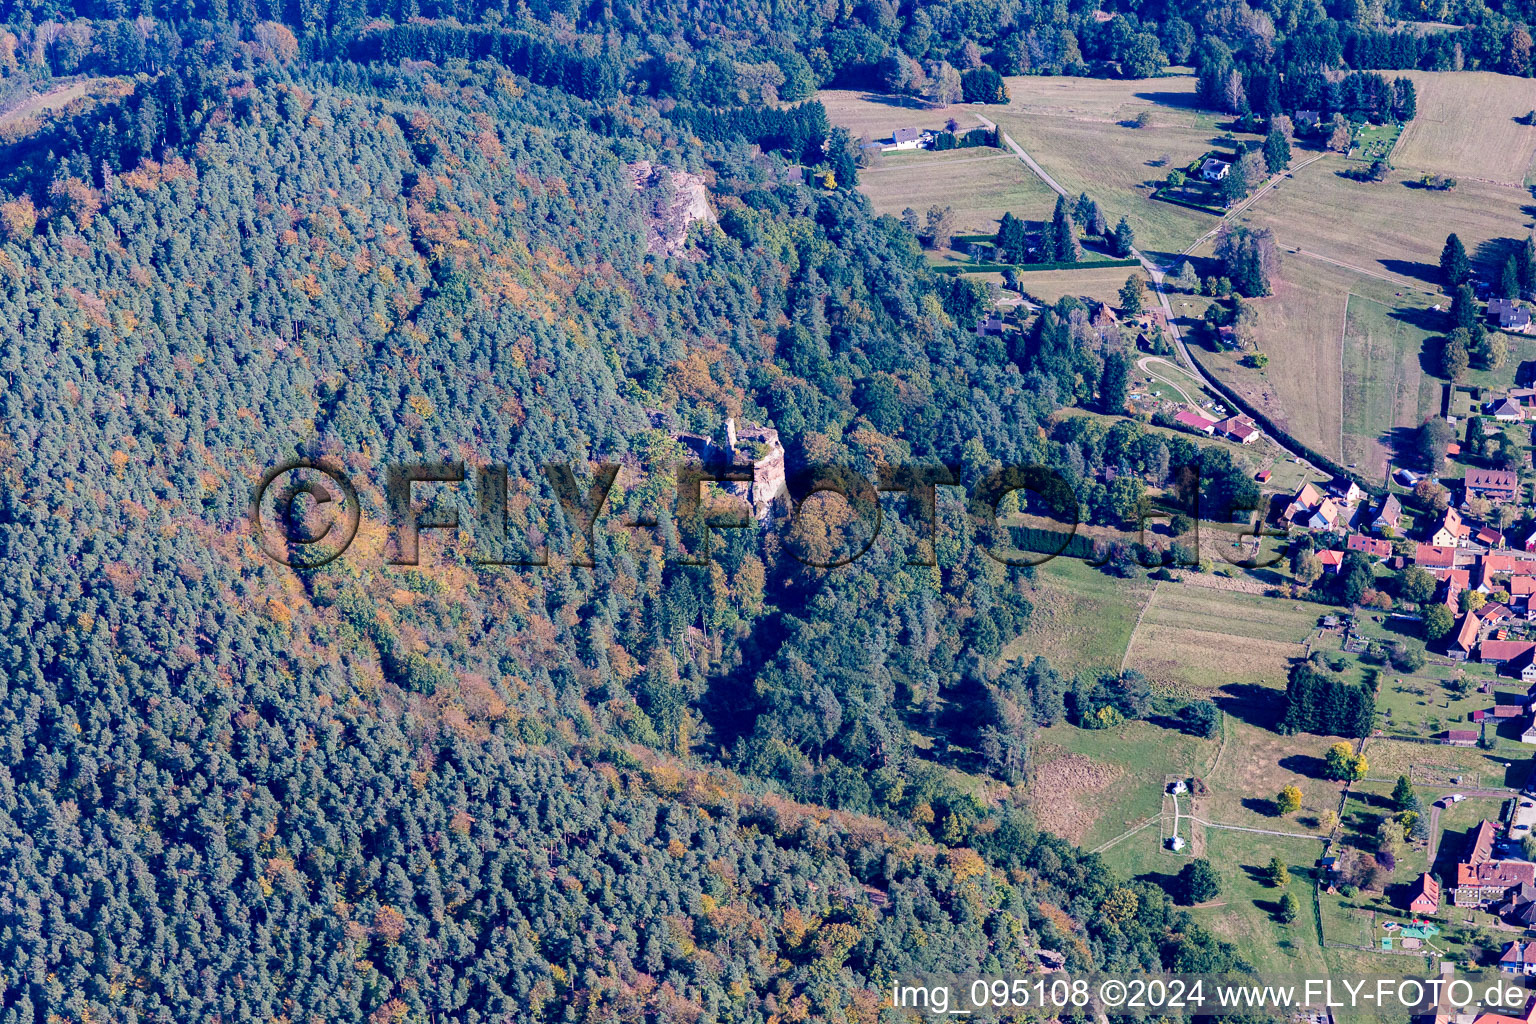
(1140, 614)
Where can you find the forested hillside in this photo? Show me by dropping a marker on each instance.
(230, 789)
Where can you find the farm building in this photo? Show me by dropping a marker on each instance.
(1461, 737)
(1192, 421)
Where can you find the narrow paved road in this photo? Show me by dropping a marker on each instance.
(1154, 271)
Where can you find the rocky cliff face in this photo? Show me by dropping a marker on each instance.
(673, 200)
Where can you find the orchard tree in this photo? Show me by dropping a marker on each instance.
(1289, 800)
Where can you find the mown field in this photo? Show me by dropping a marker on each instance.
(877, 115)
(1379, 242)
(1388, 378)
(1198, 640)
(979, 184)
(1082, 132)
(1083, 617)
(1091, 785)
(1466, 126)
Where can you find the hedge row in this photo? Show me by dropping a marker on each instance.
(1220, 211)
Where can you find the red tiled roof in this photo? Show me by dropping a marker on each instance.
(1480, 849)
(1522, 586)
(1502, 873)
(1503, 650)
(1434, 557)
(1330, 557)
(1370, 545)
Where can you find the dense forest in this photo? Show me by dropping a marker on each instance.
(623, 786)
(234, 789)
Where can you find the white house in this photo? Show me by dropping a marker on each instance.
(1214, 170)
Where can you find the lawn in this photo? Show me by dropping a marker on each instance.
(1198, 640)
(979, 184)
(1387, 378)
(1101, 284)
(1083, 617)
(1257, 763)
(1091, 785)
(1244, 913)
(1466, 127)
(1375, 141)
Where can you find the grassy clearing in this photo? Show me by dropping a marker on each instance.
(1083, 618)
(1093, 784)
(1196, 639)
(1390, 228)
(1387, 378)
(1466, 126)
(1257, 763)
(26, 116)
(1102, 284)
(1169, 100)
(1119, 167)
(1246, 914)
(1301, 330)
(877, 115)
(1375, 141)
(979, 184)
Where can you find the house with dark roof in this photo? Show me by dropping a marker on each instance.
(1497, 485)
(1509, 315)
(1518, 958)
(1388, 516)
(1214, 170)
(1504, 410)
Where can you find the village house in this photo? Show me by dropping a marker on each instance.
(1482, 881)
(908, 138)
(1388, 516)
(1509, 315)
(1504, 410)
(1434, 557)
(1518, 958)
(1461, 738)
(1501, 652)
(1345, 490)
(1426, 896)
(1489, 537)
(1496, 485)
(1239, 428)
(1372, 546)
(1331, 561)
(1214, 170)
(1451, 532)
